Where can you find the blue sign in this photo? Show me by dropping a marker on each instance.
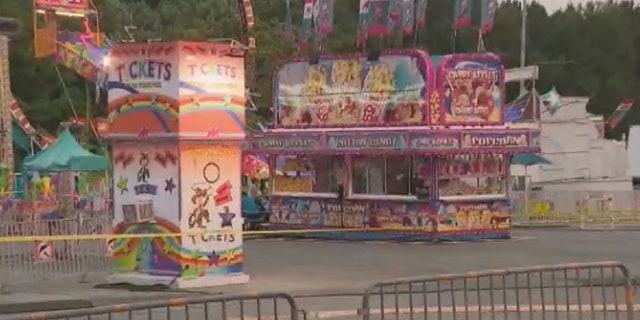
(378, 141)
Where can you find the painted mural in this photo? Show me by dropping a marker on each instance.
(212, 91)
(169, 89)
(432, 216)
(211, 197)
(350, 90)
(470, 216)
(143, 88)
(145, 201)
(470, 90)
(142, 68)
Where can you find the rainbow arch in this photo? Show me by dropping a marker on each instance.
(171, 246)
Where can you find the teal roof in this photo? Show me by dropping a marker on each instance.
(65, 154)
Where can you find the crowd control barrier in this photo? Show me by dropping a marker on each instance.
(33, 261)
(570, 291)
(265, 306)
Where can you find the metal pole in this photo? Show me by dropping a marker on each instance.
(523, 42)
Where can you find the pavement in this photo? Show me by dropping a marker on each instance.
(330, 276)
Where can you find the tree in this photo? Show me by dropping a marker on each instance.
(590, 50)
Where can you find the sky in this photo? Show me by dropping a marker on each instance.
(553, 5)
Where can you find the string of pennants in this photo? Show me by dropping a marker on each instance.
(381, 18)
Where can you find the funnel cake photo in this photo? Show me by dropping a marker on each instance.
(379, 82)
(345, 76)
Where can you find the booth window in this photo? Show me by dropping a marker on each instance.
(308, 174)
(381, 175)
(462, 175)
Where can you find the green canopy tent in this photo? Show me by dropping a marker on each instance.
(65, 155)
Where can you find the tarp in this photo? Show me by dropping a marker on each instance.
(65, 154)
(529, 159)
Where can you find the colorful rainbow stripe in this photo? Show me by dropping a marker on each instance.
(234, 106)
(142, 101)
(191, 104)
(171, 247)
(173, 107)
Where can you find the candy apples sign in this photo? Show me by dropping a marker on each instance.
(470, 90)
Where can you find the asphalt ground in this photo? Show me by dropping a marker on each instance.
(328, 279)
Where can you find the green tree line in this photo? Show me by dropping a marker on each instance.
(589, 50)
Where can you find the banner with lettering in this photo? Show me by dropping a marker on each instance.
(430, 142)
(408, 17)
(470, 90)
(421, 13)
(210, 201)
(288, 24)
(462, 13)
(395, 15)
(305, 27)
(488, 15)
(614, 119)
(281, 143)
(363, 23)
(367, 142)
(489, 140)
(324, 17)
(379, 17)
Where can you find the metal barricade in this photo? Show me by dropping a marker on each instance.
(267, 306)
(587, 210)
(601, 290)
(25, 261)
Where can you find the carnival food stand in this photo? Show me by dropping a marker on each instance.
(404, 147)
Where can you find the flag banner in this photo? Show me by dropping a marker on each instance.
(551, 101)
(324, 16)
(307, 22)
(421, 13)
(363, 23)
(488, 15)
(395, 15)
(617, 115)
(315, 15)
(525, 108)
(288, 24)
(408, 17)
(462, 13)
(378, 17)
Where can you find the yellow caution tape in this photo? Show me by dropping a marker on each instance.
(547, 218)
(181, 234)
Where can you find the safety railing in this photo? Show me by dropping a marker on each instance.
(569, 291)
(265, 306)
(586, 209)
(22, 260)
(583, 220)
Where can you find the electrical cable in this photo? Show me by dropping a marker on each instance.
(66, 91)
